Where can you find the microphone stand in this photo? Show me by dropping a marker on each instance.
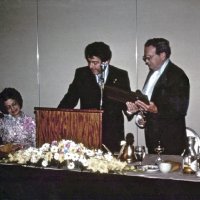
(101, 82)
(101, 85)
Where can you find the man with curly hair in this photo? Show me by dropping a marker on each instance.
(87, 87)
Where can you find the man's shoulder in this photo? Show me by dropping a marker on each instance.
(80, 69)
(173, 68)
(117, 69)
(175, 71)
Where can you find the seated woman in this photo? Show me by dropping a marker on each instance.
(15, 126)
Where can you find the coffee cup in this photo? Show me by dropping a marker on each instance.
(165, 167)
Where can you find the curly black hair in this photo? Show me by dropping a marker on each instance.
(10, 93)
(98, 49)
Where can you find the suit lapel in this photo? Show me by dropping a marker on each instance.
(148, 76)
(162, 81)
(112, 78)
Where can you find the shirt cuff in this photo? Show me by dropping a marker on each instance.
(129, 113)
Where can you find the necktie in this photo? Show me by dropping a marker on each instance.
(100, 79)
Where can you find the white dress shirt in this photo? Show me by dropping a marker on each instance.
(148, 88)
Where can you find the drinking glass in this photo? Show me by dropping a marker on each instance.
(139, 152)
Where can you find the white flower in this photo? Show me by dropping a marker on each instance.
(68, 156)
(71, 165)
(61, 158)
(108, 156)
(34, 158)
(22, 161)
(84, 161)
(99, 152)
(90, 153)
(11, 157)
(45, 147)
(54, 149)
(44, 163)
(56, 156)
(75, 157)
(48, 156)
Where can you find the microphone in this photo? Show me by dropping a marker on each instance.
(103, 66)
(101, 77)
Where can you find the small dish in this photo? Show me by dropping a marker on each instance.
(198, 173)
(150, 168)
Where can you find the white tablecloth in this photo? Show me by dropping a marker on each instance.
(177, 175)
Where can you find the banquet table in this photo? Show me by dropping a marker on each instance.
(26, 182)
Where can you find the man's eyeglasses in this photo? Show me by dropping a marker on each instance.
(147, 58)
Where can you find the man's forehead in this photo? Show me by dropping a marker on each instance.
(149, 49)
(93, 59)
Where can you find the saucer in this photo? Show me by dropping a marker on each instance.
(150, 168)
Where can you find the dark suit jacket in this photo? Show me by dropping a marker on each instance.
(171, 96)
(85, 88)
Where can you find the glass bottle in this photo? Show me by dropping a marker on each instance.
(127, 150)
(189, 165)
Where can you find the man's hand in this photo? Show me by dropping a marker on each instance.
(131, 107)
(147, 108)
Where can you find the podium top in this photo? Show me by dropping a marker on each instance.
(67, 110)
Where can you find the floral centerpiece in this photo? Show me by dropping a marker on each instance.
(68, 154)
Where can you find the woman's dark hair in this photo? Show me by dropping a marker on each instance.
(10, 93)
(98, 49)
(161, 45)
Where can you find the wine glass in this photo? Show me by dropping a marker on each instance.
(159, 149)
(139, 152)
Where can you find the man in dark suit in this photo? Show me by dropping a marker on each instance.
(88, 88)
(167, 88)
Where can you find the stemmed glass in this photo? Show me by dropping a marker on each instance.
(159, 149)
(139, 152)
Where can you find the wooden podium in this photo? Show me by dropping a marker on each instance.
(81, 126)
